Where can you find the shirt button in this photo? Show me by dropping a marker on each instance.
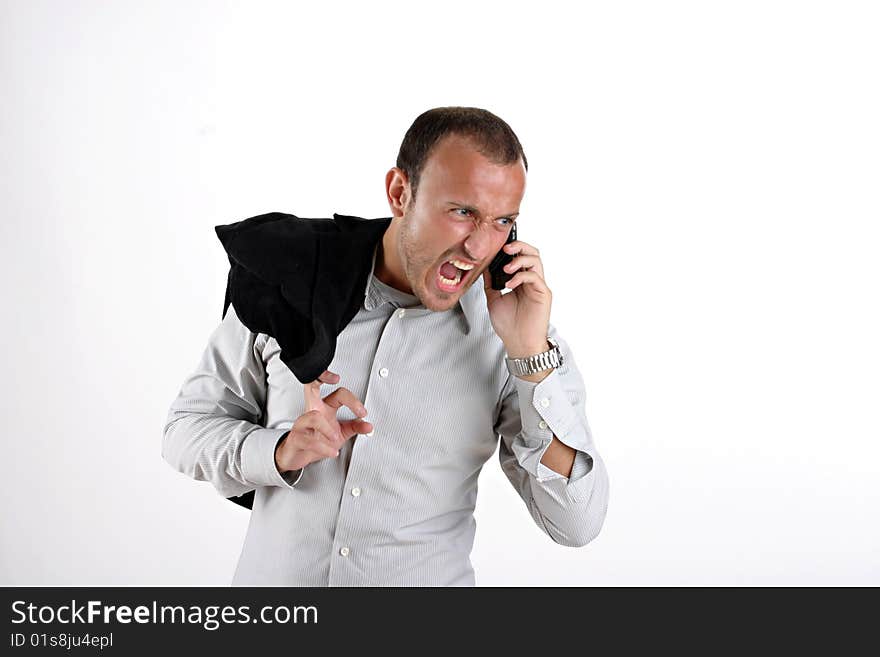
(542, 424)
(401, 312)
(545, 402)
(355, 491)
(383, 372)
(344, 551)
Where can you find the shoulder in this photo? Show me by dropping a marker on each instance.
(233, 329)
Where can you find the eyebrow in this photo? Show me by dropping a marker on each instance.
(468, 206)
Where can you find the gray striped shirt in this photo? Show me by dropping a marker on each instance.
(395, 508)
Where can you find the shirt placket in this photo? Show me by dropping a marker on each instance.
(349, 564)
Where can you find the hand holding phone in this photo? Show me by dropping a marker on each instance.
(496, 267)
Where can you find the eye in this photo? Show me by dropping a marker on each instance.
(462, 210)
(507, 219)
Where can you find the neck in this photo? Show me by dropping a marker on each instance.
(389, 268)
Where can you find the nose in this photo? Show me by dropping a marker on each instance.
(478, 245)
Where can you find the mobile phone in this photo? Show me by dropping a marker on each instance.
(496, 271)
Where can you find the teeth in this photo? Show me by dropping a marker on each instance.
(447, 281)
(462, 265)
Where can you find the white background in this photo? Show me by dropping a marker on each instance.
(703, 188)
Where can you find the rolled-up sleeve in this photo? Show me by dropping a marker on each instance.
(571, 510)
(212, 432)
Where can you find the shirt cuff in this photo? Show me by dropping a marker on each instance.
(545, 411)
(258, 459)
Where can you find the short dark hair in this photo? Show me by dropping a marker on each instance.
(493, 138)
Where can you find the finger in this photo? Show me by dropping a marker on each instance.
(345, 397)
(328, 377)
(312, 390)
(312, 395)
(516, 246)
(529, 277)
(355, 427)
(525, 262)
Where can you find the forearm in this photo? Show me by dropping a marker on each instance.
(212, 432)
(234, 455)
(559, 457)
(547, 451)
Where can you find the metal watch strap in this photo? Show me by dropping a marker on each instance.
(537, 363)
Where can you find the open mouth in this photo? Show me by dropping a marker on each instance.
(451, 274)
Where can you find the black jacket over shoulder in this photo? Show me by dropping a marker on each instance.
(300, 281)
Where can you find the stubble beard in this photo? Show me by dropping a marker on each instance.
(417, 268)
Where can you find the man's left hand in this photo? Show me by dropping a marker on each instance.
(521, 318)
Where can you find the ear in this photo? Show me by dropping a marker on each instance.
(397, 190)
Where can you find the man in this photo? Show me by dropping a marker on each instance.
(440, 364)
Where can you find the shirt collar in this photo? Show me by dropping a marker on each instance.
(373, 298)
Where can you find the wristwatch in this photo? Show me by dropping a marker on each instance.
(537, 363)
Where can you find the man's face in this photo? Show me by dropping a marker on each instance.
(464, 209)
